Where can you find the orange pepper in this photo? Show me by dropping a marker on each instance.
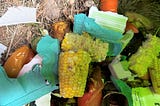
(17, 59)
(109, 5)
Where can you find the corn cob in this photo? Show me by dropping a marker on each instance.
(142, 59)
(155, 75)
(73, 72)
(95, 47)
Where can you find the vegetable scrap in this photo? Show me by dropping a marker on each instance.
(108, 19)
(93, 96)
(16, 61)
(60, 28)
(146, 53)
(109, 5)
(92, 57)
(145, 96)
(96, 48)
(73, 72)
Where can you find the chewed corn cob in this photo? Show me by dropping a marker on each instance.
(73, 72)
(155, 75)
(95, 47)
(142, 59)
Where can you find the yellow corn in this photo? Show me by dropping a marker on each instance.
(73, 72)
(95, 47)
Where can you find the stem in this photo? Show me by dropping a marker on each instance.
(157, 31)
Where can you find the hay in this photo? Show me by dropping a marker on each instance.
(48, 12)
(16, 35)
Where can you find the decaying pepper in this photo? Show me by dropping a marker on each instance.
(93, 97)
(130, 26)
(17, 59)
(60, 28)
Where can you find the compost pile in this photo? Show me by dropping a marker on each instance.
(97, 57)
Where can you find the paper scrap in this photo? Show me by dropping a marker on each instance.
(2, 49)
(28, 67)
(18, 15)
(44, 100)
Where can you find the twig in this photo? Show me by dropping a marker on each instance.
(10, 45)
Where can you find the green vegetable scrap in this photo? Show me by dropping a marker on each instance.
(144, 8)
(119, 69)
(142, 59)
(139, 20)
(155, 74)
(95, 47)
(109, 20)
(137, 82)
(126, 38)
(124, 88)
(145, 97)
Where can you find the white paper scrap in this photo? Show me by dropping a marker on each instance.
(2, 49)
(18, 15)
(28, 67)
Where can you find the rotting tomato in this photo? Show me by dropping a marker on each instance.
(17, 59)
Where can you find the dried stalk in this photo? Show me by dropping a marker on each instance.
(10, 45)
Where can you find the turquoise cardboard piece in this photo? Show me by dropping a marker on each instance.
(34, 84)
(49, 49)
(84, 24)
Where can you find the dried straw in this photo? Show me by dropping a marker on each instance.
(48, 12)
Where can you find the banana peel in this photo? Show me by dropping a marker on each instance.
(139, 20)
